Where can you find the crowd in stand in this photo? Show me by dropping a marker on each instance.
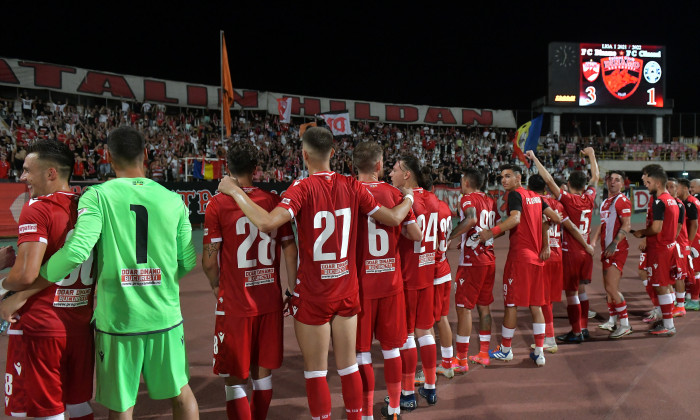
(179, 140)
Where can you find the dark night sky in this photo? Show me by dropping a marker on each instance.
(480, 55)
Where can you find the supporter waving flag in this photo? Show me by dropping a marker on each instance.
(284, 107)
(526, 138)
(338, 122)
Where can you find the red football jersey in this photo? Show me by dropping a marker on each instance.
(64, 308)
(555, 234)
(612, 210)
(473, 252)
(526, 237)
(326, 207)
(379, 264)
(664, 208)
(444, 230)
(579, 208)
(682, 237)
(693, 208)
(249, 278)
(418, 258)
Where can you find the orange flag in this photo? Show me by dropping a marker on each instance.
(227, 88)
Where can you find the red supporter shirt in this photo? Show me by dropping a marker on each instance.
(418, 258)
(555, 233)
(326, 207)
(664, 208)
(473, 252)
(64, 308)
(579, 208)
(444, 230)
(526, 237)
(379, 263)
(692, 209)
(612, 210)
(4, 169)
(249, 260)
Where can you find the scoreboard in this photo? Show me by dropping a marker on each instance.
(606, 75)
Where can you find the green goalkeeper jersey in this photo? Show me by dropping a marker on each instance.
(143, 242)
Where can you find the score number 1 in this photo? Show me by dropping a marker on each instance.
(652, 96)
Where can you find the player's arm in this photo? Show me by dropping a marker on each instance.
(657, 209)
(544, 173)
(7, 257)
(264, 220)
(210, 264)
(412, 231)
(545, 251)
(576, 234)
(78, 247)
(394, 216)
(512, 221)
(466, 224)
(10, 306)
(26, 267)
(596, 235)
(290, 251)
(595, 173)
(621, 234)
(186, 254)
(553, 216)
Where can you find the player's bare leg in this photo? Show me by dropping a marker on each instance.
(484, 336)
(237, 406)
(611, 279)
(314, 341)
(185, 405)
(344, 334)
(124, 415)
(504, 351)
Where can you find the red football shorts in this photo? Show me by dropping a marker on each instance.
(319, 313)
(441, 305)
(475, 286)
(242, 342)
(659, 266)
(695, 263)
(554, 281)
(578, 268)
(419, 309)
(617, 260)
(45, 373)
(442, 272)
(682, 267)
(642, 261)
(523, 284)
(384, 318)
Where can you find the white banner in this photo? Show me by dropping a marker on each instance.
(79, 81)
(338, 122)
(284, 108)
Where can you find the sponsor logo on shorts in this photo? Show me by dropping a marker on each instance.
(140, 277)
(18, 368)
(28, 228)
(334, 270)
(260, 276)
(71, 298)
(380, 266)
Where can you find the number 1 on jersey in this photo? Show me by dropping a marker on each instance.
(141, 233)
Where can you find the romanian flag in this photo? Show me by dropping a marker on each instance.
(227, 88)
(527, 138)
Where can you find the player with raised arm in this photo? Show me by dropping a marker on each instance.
(615, 218)
(326, 207)
(418, 269)
(383, 313)
(523, 284)
(50, 354)
(578, 203)
(477, 268)
(243, 268)
(143, 238)
(660, 247)
(692, 208)
(553, 270)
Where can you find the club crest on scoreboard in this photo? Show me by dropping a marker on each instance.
(621, 75)
(591, 70)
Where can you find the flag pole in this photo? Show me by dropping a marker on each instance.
(221, 79)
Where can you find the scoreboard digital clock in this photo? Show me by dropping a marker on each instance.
(606, 75)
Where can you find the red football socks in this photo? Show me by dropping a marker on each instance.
(318, 394)
(351, 384)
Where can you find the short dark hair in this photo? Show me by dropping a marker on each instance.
(366, 155)
(125, 145)
(511, 167)
(619, 172)
(658, 174)
(674, 180)
(578, 179)
(319, 139)
(413, 165)
(242, 158)
(684, 182)
(650, 167)
(426, 181)
(559, 181)
(536, 183)
(475, 177)
(56, 154)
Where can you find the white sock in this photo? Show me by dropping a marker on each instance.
(625, 322)
(61, 416)
(668, 323)
(79, 410)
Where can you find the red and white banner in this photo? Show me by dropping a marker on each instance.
(339, 122)
(284, 108)
(78, 81)
(641, 200)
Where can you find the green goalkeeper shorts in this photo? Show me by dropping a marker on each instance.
(121, 359)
